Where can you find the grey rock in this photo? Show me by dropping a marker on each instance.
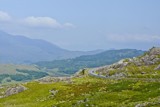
(152, 57)
(155, 60)
(137, 63)
(154, 51)
(119, 64)
(146, 104)
(53, 92)
(14, 90)
(158, 67)
(118, 75)
(149, 63)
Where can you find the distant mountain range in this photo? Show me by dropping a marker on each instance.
(22, 50)
(70, 66)
(20, 72)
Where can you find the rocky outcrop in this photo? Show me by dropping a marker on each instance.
(120, 64)
(15, 90)
(158, 67)
(55, 79)
(154, 51)
(149, 58)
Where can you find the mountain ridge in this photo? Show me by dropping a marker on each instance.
(70, 66)
(21, 49)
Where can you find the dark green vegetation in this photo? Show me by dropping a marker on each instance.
(70, 66)
(26, 75)
(10, 73)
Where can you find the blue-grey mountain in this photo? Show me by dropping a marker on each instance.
(20, 49)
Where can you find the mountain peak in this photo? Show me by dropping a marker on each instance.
(21, 49)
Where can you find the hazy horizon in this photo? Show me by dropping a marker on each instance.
(85, 25)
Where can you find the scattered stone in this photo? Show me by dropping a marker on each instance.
(143, 72)
(53, 92)
(15, 90)
(118, 75)
(146, 104)
(158, 67)
(137, 63)
(155, 60)
(55, 79)
(149, 63)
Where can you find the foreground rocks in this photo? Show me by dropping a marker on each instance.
(55, 79)
(15, 90)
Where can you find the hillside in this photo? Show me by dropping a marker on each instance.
(145, 66)
(20, 49)
(11, 73)
(70, 66)
(139, 86)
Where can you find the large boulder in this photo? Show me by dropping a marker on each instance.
(14, 90)
(154, 51)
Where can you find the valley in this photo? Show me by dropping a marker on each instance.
(12, 73)
(135, 84)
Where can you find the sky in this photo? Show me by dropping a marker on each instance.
(85, 24)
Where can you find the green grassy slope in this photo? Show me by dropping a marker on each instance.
(87, 91)
(11, 68)
(10, 73)
(140, 87)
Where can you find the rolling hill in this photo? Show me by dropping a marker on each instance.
(70, 66)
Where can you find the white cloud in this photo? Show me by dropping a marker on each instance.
(32, 21)
(45, 22)
(4, 16)
(69, 25)
(126, 38)
(41, 22)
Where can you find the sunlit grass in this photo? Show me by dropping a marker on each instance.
(85, 91)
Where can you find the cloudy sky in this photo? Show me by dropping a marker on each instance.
(85, 24)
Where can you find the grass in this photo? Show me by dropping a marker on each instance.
(141, 85)
(133, 71)
(86, 91)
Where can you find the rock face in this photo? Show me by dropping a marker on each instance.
(14, 90)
